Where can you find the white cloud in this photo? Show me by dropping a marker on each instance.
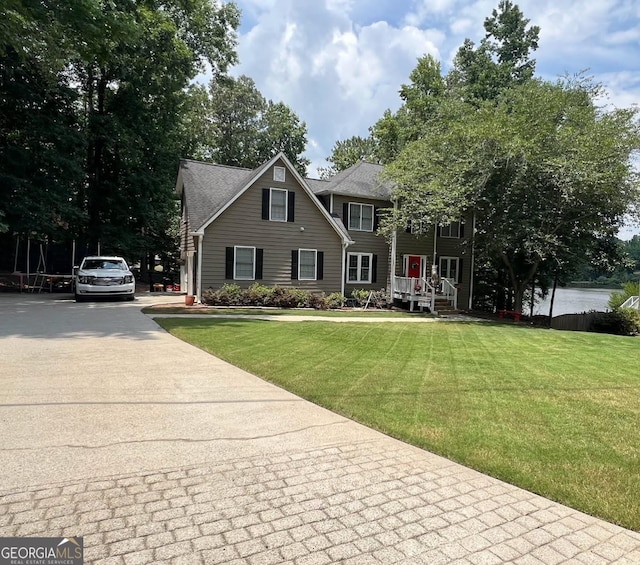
(340, 63)
(427, 9)
(622, 89)
(339, 6)
(338, 75)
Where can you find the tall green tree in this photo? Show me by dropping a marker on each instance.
(132, 82)
(41, 149)
(347, 153)
(282, 130)
(502, 59)
(102, 89)
(243, 129)
(547, 173)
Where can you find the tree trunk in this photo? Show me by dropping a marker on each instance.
(553, 297)
(533, 298)
(519, 286)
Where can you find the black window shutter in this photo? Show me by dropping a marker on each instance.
(374, 269)
(294, 265)
(291, 206)
(265, 203)
(375, 219)
(345, 215)
(408, 228)
(320, 265)
(439, 231)
(461, 229)
(228, 272)
(459, 270)
(259, 263)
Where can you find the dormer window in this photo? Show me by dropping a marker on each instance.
(279, 174)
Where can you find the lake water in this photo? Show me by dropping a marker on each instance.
(574, 300)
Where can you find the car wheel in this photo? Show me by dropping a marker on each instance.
(79, 298)
(130, 298)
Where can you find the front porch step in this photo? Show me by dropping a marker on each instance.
(443, 307)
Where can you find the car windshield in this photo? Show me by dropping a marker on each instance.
(104, 264)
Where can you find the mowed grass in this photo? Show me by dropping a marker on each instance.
(557, 413)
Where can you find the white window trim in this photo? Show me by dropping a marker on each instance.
(279, 174)
(446, 257)
(315, 265)
(449, 226)
(361, 205)
(235, 262)
(286, 204)
(359, 256)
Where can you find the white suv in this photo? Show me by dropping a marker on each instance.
(104, 276)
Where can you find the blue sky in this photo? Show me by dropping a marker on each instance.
(340, 63)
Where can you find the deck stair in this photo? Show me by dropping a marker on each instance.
(420, 293)
(444, 307)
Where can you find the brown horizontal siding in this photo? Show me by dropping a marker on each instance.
(242, 224)
(409, 244)
(366, 242)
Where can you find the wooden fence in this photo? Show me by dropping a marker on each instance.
(576, 322)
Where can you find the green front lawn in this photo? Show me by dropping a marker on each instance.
(557, 413)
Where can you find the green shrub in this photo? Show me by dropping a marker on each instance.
(335, 300)
(379, 299)
(623, 321)
(318, 302)
(360, 295)
(618, 297)
(227, 295)
(257, 295)
(277, 296)
(283, 297)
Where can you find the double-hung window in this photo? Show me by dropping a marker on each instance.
(307, 263)
(244, 263)
(452, 230)
(361, 217)
(278, 205)
(359, 267)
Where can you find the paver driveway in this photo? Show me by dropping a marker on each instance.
(156, 452)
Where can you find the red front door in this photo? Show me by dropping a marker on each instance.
(414, 268)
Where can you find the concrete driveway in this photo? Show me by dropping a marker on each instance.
(157, 452)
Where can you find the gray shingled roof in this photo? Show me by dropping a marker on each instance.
(361, 179)
(210, 187)
(317, 185)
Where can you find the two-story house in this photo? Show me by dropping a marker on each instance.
(273, 226)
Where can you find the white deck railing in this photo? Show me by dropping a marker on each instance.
(450, 292)
(632, 302)
(413, 289)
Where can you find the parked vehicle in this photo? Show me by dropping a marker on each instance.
(104, 276)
